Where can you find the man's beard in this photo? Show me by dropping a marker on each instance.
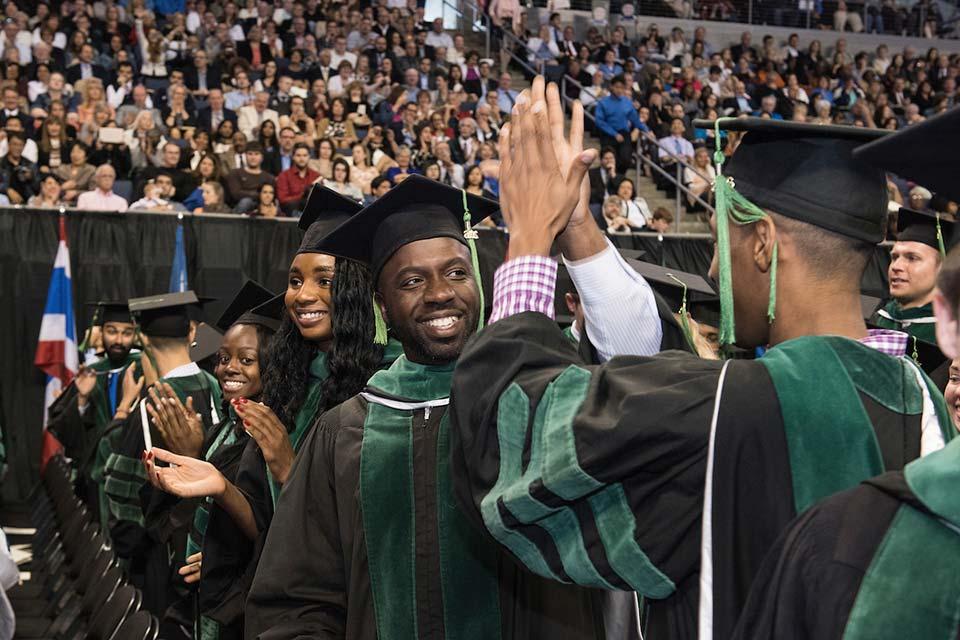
(117, 354)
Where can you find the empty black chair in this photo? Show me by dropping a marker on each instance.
(139, 626)
(111, 614)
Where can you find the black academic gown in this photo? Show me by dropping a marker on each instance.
(618, 498)
(872, 562)
(148, 527)
(225, 547)
(80, 433)
(318, 574)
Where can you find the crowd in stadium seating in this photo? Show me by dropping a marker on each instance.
(189, 106)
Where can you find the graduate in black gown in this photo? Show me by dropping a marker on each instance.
(882, 560)
(367, 541)
(216, 542)
(322, 353)
(674, 475)
(150, 540)
(83, 411)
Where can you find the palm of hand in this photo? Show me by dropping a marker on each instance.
(85, 383)
(193, 478)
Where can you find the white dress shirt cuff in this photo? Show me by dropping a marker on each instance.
(618, 305)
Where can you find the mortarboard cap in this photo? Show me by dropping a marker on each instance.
(925, 153)
(670, 283)
(416, 209)
(195, 310)
(111, 311)
(240, 309)
(925, 227)
(807, 172)
(325, 211)
(206, 342)
(164, 315)
(272, 309)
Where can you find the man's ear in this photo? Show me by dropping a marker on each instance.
(764, 240)
(946, 327)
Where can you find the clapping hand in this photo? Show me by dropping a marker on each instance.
(179, 426)
(85, 381)
(264, 427)
(131, 391)
(186, 477)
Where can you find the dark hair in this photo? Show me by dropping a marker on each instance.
(618, 79)
(949, 279)
(352, 359)
(376, 182)
(338, 161)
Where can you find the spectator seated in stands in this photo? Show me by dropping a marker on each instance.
(50, 195)
(633, 208)
(604, 179)
(294, 183)
(102, 197)
(661, 221)
(212, 199)
(76, 176)
(19, 178)
(340, 182)
(675, 148)
(170, 162)
(379, 186)
(155, 196)
(265, 204)
(242, 185)
(699, 178)
(250, 117)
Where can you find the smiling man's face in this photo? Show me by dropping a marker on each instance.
(429, 299)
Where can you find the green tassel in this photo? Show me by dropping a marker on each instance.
(471, 236)
(916, 354)
(730, 205)
(943, 249)
(684, 314)
(380, 327)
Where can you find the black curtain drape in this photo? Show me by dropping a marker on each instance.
(119, 256)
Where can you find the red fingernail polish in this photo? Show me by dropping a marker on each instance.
(246, 424)
(143, 456)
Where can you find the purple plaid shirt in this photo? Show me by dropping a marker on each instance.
(528, 283)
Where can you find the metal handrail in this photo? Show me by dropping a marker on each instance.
(679, 183)
(675, 158)
(478, 17)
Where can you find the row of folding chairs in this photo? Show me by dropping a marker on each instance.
(77, 588)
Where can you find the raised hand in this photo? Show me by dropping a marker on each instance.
(537, 197)
(190, 478)
(131, 391)
(264, 427)
(569, 148)
(85, 382)
(180, 426)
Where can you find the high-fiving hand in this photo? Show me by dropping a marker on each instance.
(541, 172)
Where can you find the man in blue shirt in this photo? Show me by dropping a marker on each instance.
(619, 123)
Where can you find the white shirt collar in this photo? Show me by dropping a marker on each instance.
(183, 371)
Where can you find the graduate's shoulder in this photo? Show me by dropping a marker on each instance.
(341, 422)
